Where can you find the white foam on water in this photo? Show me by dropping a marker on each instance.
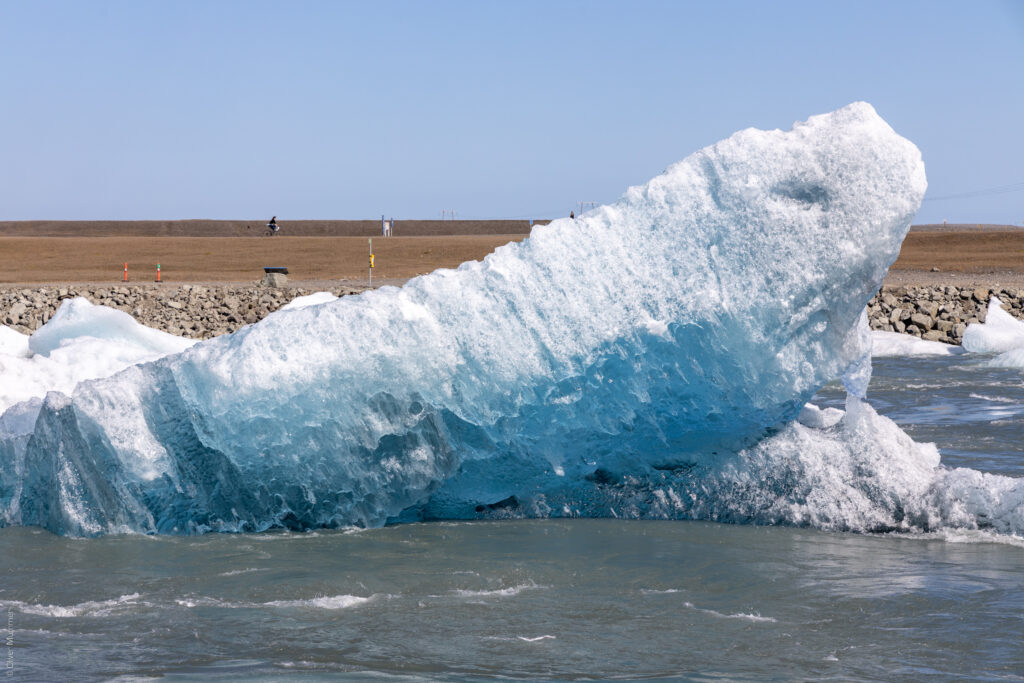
(994, 399)
(328, 602)
(92, 608)
(756, 618)
(236, 572)
(192, 601)
(508, 592)
(288, 536)
(324, 602)
(966, 536)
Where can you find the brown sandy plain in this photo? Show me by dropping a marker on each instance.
(219, 251)
(25, 260)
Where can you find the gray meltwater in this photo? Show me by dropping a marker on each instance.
(562, 599)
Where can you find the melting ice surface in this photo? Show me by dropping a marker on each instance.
(649, 359)
(81, 342)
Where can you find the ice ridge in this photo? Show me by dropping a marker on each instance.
(641, 359)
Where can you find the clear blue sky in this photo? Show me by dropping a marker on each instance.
(131, 110)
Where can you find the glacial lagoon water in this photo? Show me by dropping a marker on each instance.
(553, 599)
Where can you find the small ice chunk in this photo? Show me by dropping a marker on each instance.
(893, 344)
(816, 418)
(999, 333)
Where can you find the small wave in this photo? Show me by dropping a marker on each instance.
(655, 591)
(496, 593)
(325, 602)
(204, 602)
(525, 639)
(954, 535)
(236, 572)
(97, 608)
(994, 399)
(278, 535)
(318, 602)
(740, 615)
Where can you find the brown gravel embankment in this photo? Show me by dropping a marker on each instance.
(195, 311)
(938, 313)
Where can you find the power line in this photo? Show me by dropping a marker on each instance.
(1001, 189)
(543, 215)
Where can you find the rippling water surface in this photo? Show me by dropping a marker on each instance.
(561, 599)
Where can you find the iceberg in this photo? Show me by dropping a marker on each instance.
(649, 358)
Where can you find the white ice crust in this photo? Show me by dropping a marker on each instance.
(314, 299)
(81, 341)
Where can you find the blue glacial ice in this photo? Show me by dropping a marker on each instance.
(648, 359)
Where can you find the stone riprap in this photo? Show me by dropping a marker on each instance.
(203, 311)
(938, 313)
(195, 311)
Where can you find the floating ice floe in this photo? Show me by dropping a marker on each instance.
(649, 359)
(893, 344)
(1001, 333)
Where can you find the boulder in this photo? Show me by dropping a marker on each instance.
(274, 280)
(924, 322)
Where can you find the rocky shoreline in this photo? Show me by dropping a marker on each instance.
(194, 311)
(938, 313)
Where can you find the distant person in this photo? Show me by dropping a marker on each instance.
(572, 215)
(273, 224)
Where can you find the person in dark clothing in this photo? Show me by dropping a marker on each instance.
(273, 224)
(572, 215)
